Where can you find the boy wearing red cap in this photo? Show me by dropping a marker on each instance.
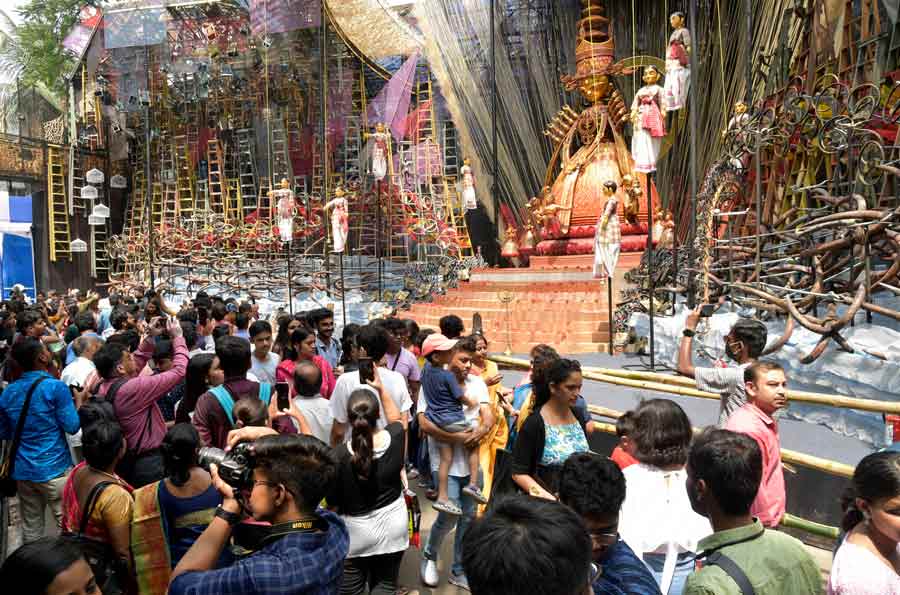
(445, 399)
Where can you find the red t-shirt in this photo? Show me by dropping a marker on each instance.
(622, 458)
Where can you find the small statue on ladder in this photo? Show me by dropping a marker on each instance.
(380, 151)
(285, 210)
(633, 194)
(340, 228)
(648, 116)
(470, 202)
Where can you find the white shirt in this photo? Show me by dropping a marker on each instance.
(656, 516)
(394, 383)
(77, 372)
(317, 411)
(459, 466)
(265, 371)
(729, 383)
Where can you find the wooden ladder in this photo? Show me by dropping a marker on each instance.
(57, 207)
(216, 182)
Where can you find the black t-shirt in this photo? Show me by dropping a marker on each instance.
(353, 496)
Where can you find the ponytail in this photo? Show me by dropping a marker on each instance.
(852, 514)
(362, 413)
(877, 476)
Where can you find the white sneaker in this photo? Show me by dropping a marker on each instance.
(429, 573)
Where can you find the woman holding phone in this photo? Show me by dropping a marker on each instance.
(303, 348)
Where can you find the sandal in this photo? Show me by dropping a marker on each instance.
(473, 492)
(448, 507)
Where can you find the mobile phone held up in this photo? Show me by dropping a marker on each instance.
(366, 370)
(282, 391)
(706, 310)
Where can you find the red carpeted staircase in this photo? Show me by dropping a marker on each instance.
(554, 301)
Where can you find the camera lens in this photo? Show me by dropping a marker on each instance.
(210, 455)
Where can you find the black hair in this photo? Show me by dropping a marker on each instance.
(557, 372)
(412, 328)
(468, 344)
(84, 321)
(259, 327)
(220, 331)
(107, 358)
(363, 412)
(26, 319)
(316, 316)
(877, 476)
(190, 334)
(527, 545)
(662, 433)
(611, 185)
(35, 565)
(234, 356)
(304, 387)
(245, 308)
(219, 311)
(393, 325)
(188, 315)
(753, 333)
(179, 452)
(101, 443)
(591, 485)
(374, 339)
(348, 343)
(249, 411)
(195, 384)
(451, 326)
(480, 335)
(118, 318)
(419, 339)
(303, 464)
(242, 320)
(731, 465)
(95, 410)
(753, 371)
(298, 336)
(25, 352)
(129, 339)
(625, 424)
(163, 350)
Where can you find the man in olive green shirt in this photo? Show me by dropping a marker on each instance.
(723, 475)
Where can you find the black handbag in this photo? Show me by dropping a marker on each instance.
(110, 571)
(7, 483)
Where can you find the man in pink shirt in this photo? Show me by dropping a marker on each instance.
(134, 399)
(766, 386)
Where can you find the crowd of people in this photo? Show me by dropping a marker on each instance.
(211, 449)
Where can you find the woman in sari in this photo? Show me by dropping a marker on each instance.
(170, 515)
(303, 348)
(498, 435)
(108, 508)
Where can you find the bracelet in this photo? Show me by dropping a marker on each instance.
(688, 332)
(232, 518)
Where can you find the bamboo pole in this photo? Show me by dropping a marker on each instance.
(681, 385)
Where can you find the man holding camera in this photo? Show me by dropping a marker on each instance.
(744, 343)
(286, 478)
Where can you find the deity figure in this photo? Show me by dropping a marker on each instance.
(739, 119)
(608, 236)
(468, 186)
(381, 139)
(592, 150)
(678, 60)
(284, 210)
(632, 204)
(339, 221)
(648, 115)
(510, 248)
(664, 229)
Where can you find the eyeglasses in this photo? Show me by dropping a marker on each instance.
(605, 537)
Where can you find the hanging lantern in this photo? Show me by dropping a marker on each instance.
(100, 210)
(118, 182)
(78, 245)
(89, 192)
(95, 221)
(94, 176)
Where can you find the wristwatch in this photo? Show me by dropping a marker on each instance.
(232, 518)
(688, 332)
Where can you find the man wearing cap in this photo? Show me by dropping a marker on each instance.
(744, 343)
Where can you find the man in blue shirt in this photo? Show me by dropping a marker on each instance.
(43, 459)
(594, 487)
(326, 345)
(305, 550)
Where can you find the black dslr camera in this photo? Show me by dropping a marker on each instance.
(235, 466)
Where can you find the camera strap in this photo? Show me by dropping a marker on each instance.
(308, 525)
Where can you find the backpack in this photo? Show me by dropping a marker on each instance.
(226, 399)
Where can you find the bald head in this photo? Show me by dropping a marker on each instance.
(307, 379)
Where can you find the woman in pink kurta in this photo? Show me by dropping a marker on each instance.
(868, 561)
(303, 348)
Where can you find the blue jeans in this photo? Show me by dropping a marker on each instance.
(683, 569)
(445, 523)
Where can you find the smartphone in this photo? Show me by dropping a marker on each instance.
(706, 310)
(283, 394)
(366, 370)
